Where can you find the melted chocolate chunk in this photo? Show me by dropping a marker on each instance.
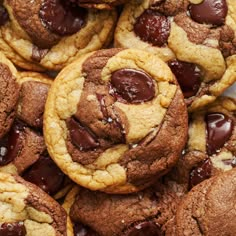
(200, 173)
(4, 17)
(11, 144)
(61, 17)
(12, 229)
(145, 228)
(81, 136)
(82, 230)
(188, 76)
(152, 27)
(132, 85)
(209, 12)
(219, 130)
(45, 174)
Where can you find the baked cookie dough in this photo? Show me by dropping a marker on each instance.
(150, 212)
(27, 210)
(99, 4)
(196, 38)
(51, 34)
(115, 120)
(9, 94)
(209, 208)
(22, 149)
(211, 147)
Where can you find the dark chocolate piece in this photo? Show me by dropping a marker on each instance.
(11, 144)
(12, 229)
(61, 17)
(188, 76)
(153, 27)
(219, 130)
(209, 12)
(200, 173)
(45, 174)
(133, 86)
(81, 136)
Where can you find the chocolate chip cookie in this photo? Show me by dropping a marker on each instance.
(196, 38)
(23, 150)
(52, 34)
(99, 4)
(209, 208)
(150, 212)
(115, 120)
(211, 148)
(9, 93)
(27, 210)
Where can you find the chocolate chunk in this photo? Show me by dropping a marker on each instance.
(12, 229)
(145, 228)
(82, 230)
(153, 27)
(11, 144)
(3, 15)
(81, 136)
(209, 12)
(45, 174)
(188, 76)
(132, 85)
(38, 54)
(200, 173)
(219, 130)
(61, 17)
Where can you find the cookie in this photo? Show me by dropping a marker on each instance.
(211, 147)
(198, 44)
(53, 34)
(143, 28)
(99, 4)
(107, 116)
(27, 210)
(209, 208)
(149, 212)
(23, 150)
(9, 93)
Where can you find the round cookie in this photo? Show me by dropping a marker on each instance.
(150, 212)
(23, 150)
(209, 208)
(211, 145)
(115, 120)
(203, 50)
(27, 210)
(99, 4)
(51, 34)
(9, 94)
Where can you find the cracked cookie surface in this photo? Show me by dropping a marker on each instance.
(209, 208)
(27, 210)
(23, 150)
(199, 47)
(211, 147)
(106, 118)
(150, 212)
(51, 34)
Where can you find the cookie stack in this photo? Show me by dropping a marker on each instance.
(112, 119)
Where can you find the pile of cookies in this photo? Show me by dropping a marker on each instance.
(112, 118)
